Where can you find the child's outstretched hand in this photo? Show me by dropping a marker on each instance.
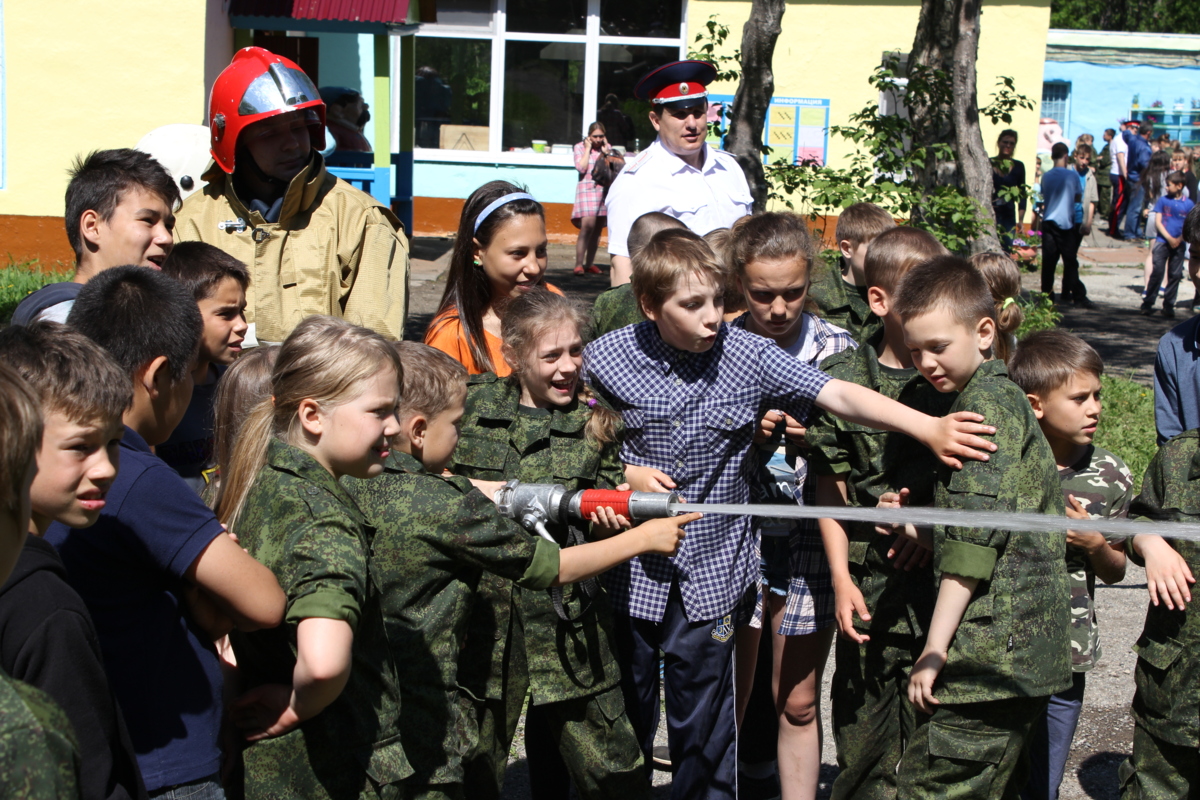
(847, 602)
(956, 436)
(648, 479)
(265, 711)
(664, 535)
(1167, 573)
(920, 683)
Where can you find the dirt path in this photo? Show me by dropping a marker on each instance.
(1125, 339)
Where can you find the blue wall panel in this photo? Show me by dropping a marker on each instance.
(549, 184)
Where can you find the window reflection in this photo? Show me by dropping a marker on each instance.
(452, 93)
(543, 94)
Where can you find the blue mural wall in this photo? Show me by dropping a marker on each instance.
(1100, 95)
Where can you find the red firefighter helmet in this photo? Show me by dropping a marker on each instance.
(256, 85)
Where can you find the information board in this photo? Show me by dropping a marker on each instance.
(796, 129)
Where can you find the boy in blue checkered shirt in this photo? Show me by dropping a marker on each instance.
(691, 390)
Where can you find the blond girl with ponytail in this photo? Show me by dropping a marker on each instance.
(1004, 280)
(322, 709)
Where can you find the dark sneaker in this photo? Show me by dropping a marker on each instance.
(660, 758)
(1168, 313)
(1147, 311)
(1085, 303)
(758, 788)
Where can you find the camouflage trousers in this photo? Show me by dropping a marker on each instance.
(872, 717)
(970, 751)
(1159, 770)
(306, 763)
(595, 739)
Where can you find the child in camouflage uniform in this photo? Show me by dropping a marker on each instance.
(541, 426)
(436, 538)
(856, 466)
(840, 290)
(38, 753)
(617, 307)
(1165, 764)
(323, 710)
(1060, 374)
(997, 646)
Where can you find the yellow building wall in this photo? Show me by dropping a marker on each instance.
(828, 50)
(87, 75)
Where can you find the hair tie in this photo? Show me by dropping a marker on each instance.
(1008, 301)
(591, 402)
(499, 201)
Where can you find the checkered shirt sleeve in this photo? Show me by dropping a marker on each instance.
(693, 416)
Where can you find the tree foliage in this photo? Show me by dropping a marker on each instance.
(1144, 16)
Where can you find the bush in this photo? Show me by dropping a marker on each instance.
(1040, 313)
(18, 281)
(1127, 424)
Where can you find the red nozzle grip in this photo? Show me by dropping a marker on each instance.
(593, 499)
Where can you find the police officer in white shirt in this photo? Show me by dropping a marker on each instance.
(679, 174)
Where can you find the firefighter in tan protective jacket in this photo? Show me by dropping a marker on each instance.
(313, 243)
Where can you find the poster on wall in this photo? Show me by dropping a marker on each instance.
(796, 129)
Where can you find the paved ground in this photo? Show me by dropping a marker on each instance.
(1126, 340)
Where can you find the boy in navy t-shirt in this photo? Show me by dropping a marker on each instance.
(159, 578)
(1169, 213)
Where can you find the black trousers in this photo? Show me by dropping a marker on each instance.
(1062, 242)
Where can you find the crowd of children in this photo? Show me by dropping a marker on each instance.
(283, 574)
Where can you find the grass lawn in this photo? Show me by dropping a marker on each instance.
(18, 281)
(1127, 424)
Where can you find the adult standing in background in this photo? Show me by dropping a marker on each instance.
(617, 124)
(1104, 183)
(1007, 173)
(1137, 160)
(1118, 172)
(589, 213)
(312, 242)
(678, 174)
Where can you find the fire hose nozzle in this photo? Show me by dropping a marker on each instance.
(533, 503)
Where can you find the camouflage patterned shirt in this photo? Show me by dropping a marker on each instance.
(1167, 702)
(39, 756)
(1013, 639)
(305, 527)
(502, 440)
(841, 303)
(1104, 486)
(435, 537)
(615, 309)
(873, 462)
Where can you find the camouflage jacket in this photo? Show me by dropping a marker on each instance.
(39, 756)
(873, 462)
(1103, 485)
(435, 536)
(1167, 702)
(841, 303)
(1013, 639)
(614, 309)
(304, 526)
(502, 440)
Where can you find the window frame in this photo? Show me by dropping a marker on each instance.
(1065, 103)
(499, 36)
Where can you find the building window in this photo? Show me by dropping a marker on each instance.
(1056, 102)
(527, 77)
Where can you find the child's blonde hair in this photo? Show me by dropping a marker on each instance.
(20, 438)
(644, 228)
(862, 222)
(527, 320)
(671, 256)
(243, 386)
(324, 359)
(721, 242)
(432, 380)
(895, 251)
(1004, 280)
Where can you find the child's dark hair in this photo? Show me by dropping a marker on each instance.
(897, 250)
(1153, 175)
(433, 380)
(862, 222)
(20, 437)
(100, 180)
(948, 284)
(644, 228)
(243, 386)
(1084, 149)
(468, 291)
(720, 240)
(201, 267)
(527, 320)
(671, 255)
(771, 235)
(1004, 280)
(138, 314)
(1178, 178)
(72, 374)
(1046, 360)
(1059, 150)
